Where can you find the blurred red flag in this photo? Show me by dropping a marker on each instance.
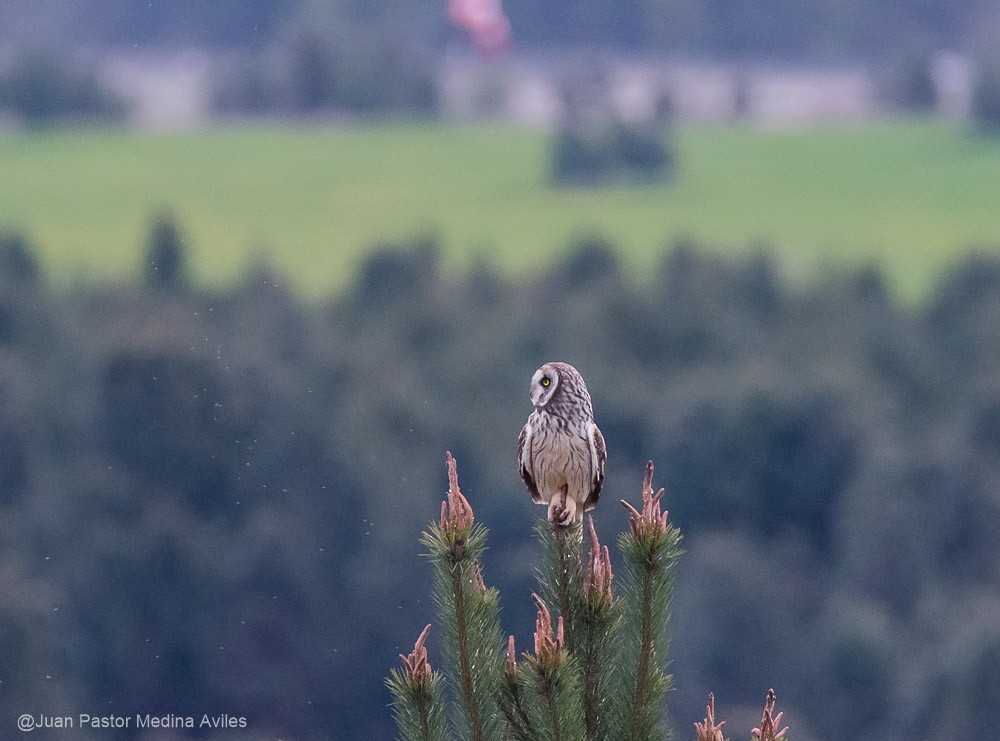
(485, 21)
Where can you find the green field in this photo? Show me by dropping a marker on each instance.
(909, 195)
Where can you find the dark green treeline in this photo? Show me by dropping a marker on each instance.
(209, 499)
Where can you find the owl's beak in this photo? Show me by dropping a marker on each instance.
(536, 395)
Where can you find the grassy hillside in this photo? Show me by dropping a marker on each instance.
(910, 195)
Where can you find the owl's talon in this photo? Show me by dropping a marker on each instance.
(559, 515)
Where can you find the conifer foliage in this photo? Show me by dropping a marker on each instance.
(598, 668)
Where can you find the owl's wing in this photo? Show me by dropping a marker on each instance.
(598, 459)
(523, 455)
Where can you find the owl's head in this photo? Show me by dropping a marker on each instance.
(556, 380)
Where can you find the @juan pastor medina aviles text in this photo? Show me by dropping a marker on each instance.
(31, 721)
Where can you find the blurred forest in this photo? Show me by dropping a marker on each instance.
(211, 500)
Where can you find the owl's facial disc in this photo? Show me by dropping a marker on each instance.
(543, 385)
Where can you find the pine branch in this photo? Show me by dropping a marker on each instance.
(552, 677)
(600, 619)
(418, 705)
(560, 576)
(586, 609)
(513, 702)
(650, 553)
(468, 611)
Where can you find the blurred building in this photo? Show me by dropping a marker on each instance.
(172, 91)
(167, 91)
(532, 91)
(952, 76)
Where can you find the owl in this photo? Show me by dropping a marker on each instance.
(560, 452)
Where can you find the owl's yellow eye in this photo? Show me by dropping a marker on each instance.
(546, 382)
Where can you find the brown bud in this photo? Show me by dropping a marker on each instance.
(769, 722)
(651, 520)
(598, 576)
(456, 512)
(416, 667)
(511, 668)
(709, 730)
(548, 644)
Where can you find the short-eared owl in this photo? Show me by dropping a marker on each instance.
(560, 452)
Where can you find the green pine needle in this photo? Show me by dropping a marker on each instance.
(419, 710)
